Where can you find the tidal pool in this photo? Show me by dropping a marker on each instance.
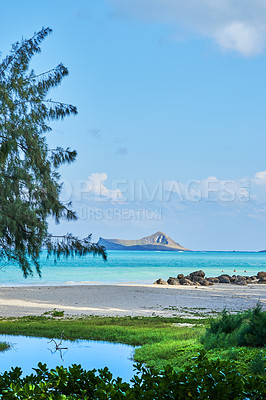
(26, 352)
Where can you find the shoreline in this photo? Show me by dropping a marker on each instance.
(129, 299)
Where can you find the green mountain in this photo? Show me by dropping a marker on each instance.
(158, 241)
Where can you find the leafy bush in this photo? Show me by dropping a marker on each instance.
(246, 328)
(205, 379)
(258, 366)
(253, 332)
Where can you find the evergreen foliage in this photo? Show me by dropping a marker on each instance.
(246, 328)
(29, 179)
(205, 379)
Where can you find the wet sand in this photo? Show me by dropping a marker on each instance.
(132, 300)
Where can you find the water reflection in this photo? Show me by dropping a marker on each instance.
(27, 351)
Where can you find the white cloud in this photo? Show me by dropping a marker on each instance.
(241, 37)
(235, 25)
(209, 189)
(260, 177)
(171, 191)
(95, 185)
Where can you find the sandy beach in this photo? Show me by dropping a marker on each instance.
(132, 300)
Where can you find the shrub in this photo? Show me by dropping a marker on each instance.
(205, 379)
(258, 366)
(246, 328)
(253, 332)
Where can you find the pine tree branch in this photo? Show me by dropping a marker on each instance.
(29, 180)
(42, 33)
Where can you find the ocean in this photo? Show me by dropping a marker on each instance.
(135, 267)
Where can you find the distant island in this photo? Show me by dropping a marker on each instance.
(159, 241)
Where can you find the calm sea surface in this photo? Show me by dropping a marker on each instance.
(135, 267)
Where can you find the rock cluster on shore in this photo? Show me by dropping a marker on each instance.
(198, 278)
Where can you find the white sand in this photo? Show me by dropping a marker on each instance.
(133, 300)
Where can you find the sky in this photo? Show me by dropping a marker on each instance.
(170, 132)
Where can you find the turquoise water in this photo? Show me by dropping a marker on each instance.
(26, 352)
(137, 267)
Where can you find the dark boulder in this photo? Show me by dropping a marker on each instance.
(240, 281)
(197, 273)
(196, 278)
(213, 280)
(173, 281)
(228, 276)
(261, 274)
(205, 282)
(160, 282)
(185, 281)
(224, 279)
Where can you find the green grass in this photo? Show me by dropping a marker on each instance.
(134, 331)
(55, 313)
(160, 341)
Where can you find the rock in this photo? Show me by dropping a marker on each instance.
(240, 281)
(228, 276)
(197, 273)
(261, 274)
(185, 281)
(173, 281)
(213, 280)
(224, 279)
(160, 282)
(205, 282)
(196, 278)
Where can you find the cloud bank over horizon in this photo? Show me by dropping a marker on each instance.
(213, 209)
(234, 25)
(163, 190)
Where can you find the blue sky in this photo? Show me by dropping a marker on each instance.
(171, 126)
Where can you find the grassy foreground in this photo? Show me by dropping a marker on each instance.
(161, 341)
